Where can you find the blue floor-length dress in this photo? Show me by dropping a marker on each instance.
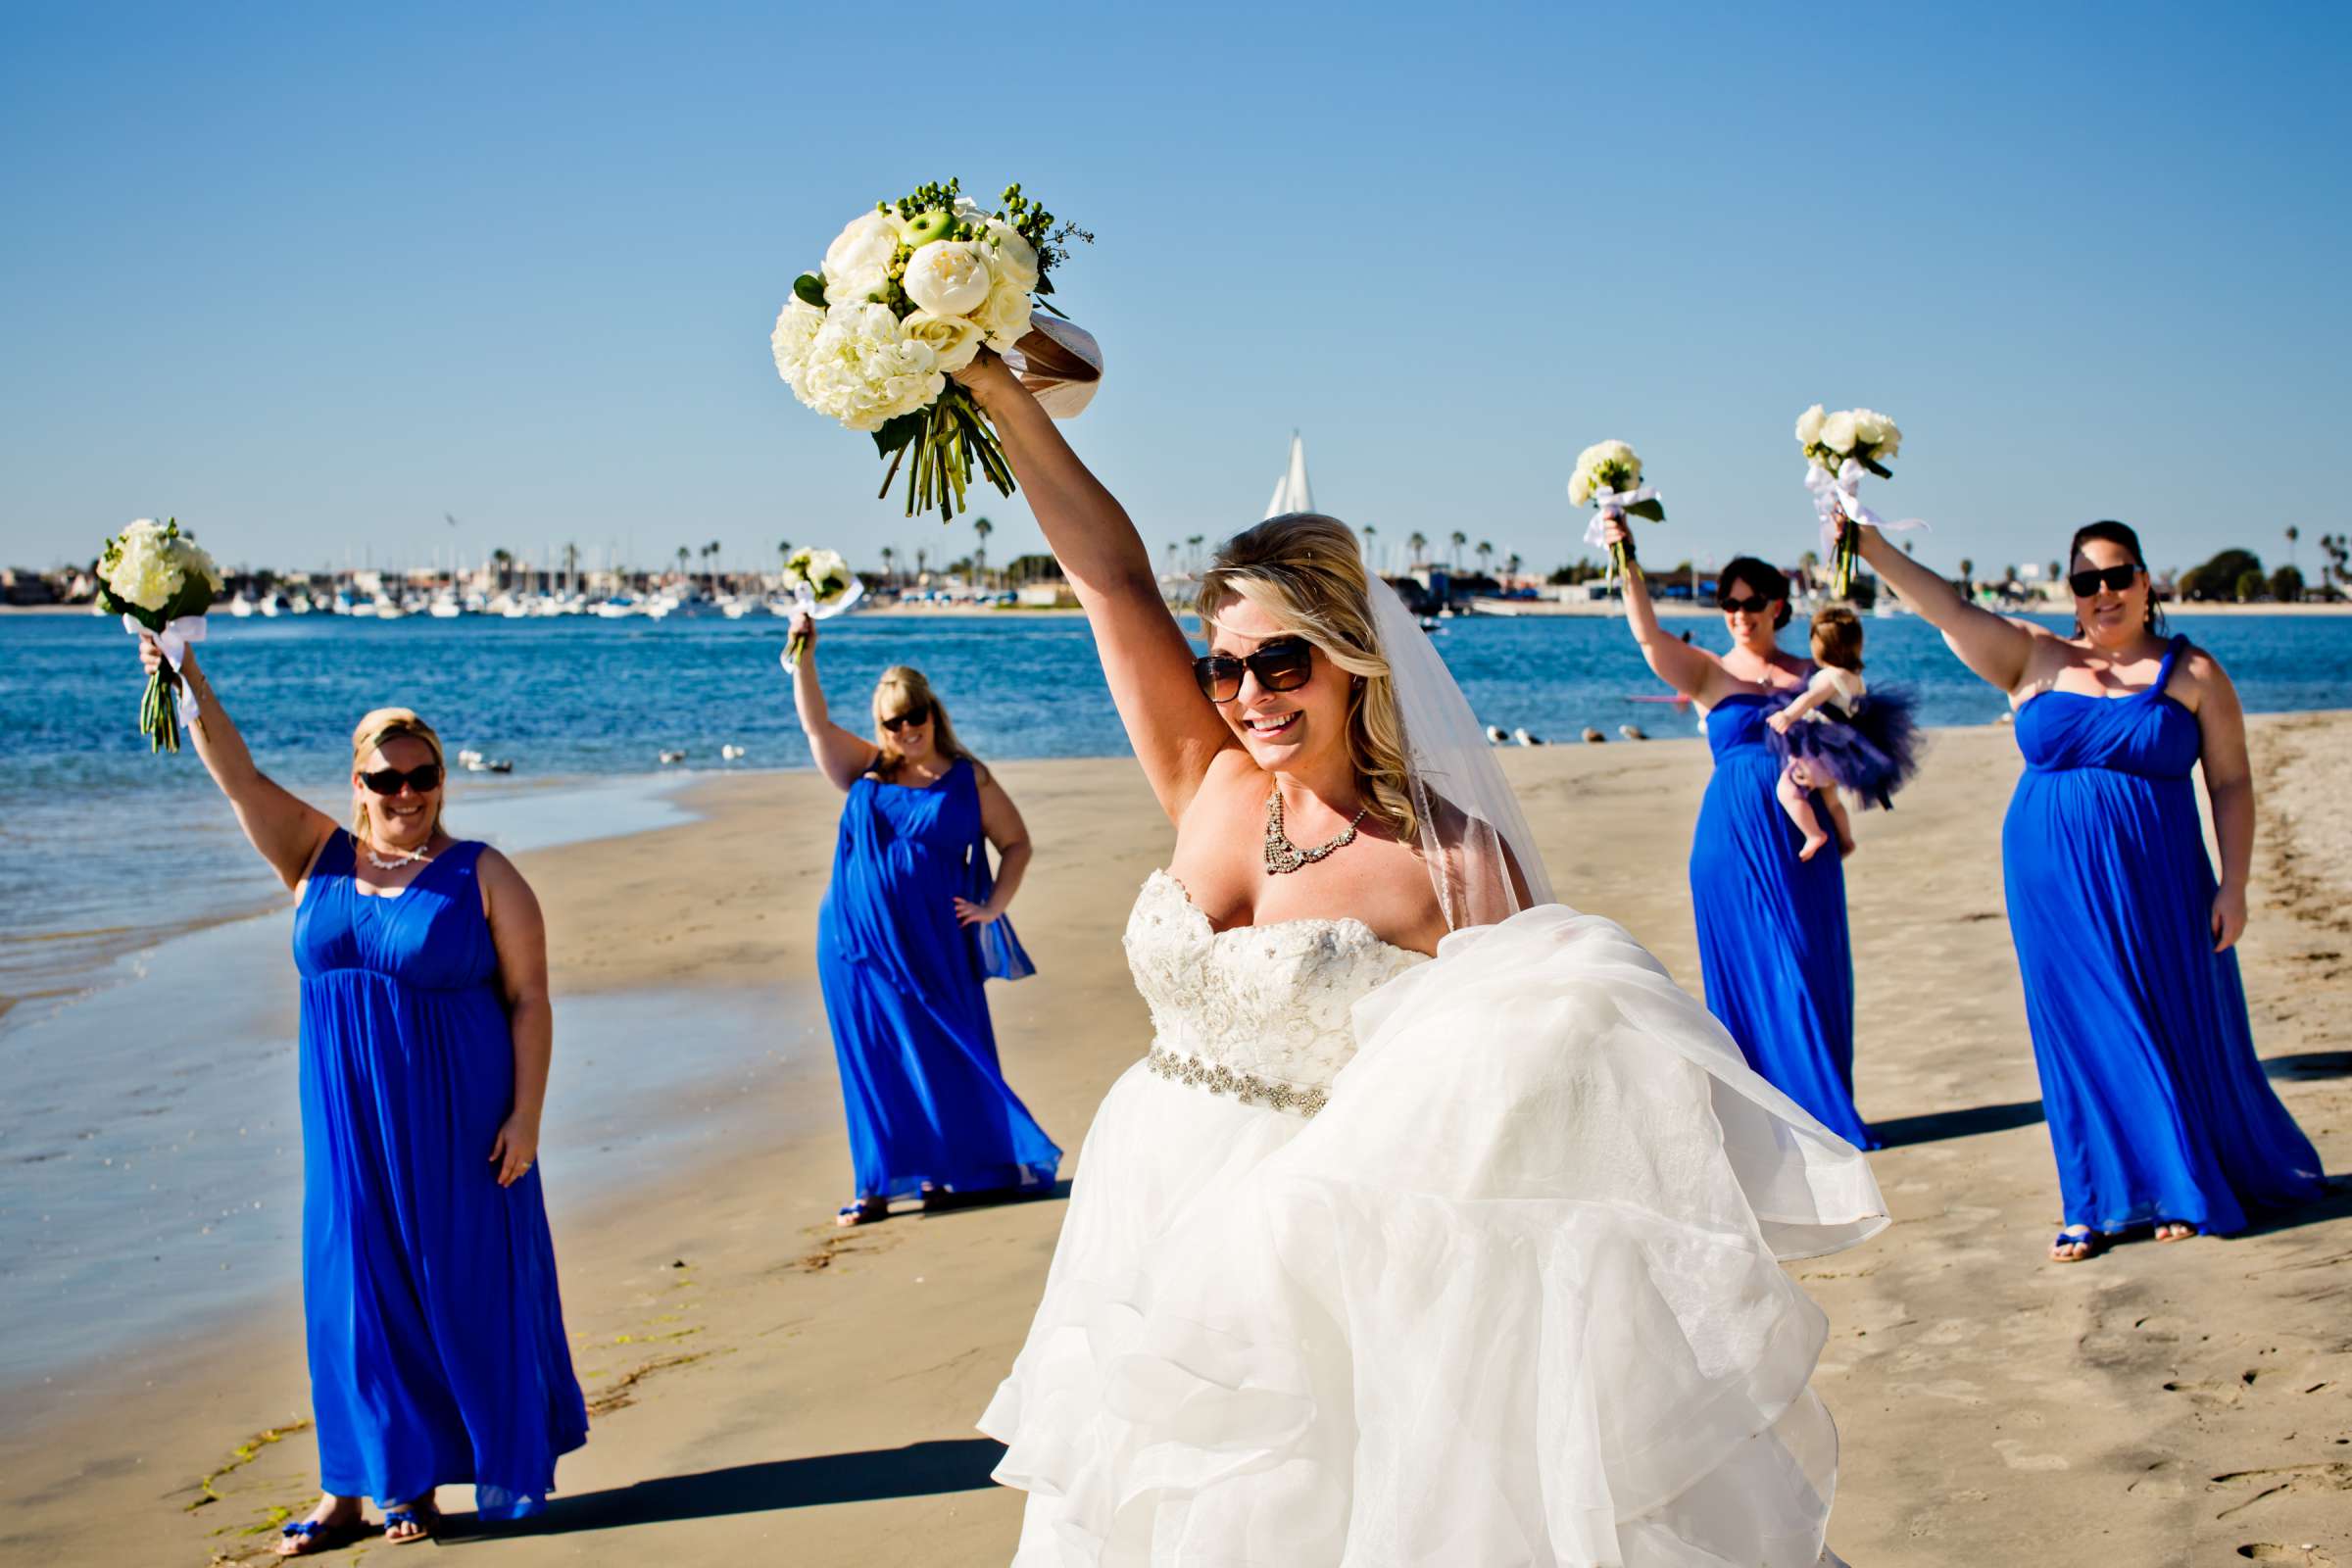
(436, 1339)
(2157, 1106)
(1773, 948)
(927, 1101)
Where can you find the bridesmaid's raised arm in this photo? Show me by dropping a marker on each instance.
(841, 755)
(1694, 671)
(1999, 650)
(1175, 732)
(286, 830)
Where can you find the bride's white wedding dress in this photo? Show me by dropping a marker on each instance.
(1473, 1261)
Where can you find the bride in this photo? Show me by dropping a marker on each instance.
(1438, 1226)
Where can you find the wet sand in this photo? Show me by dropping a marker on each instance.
(768, 1388)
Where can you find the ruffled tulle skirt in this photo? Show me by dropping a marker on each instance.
(1872, 751)
(1513, 1297)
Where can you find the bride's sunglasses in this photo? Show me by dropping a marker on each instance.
(422, 779)
(1280, 666)
(2113, 578)
(913, 715)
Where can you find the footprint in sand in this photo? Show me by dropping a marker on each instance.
(2013, 1454)
(2309, 1556)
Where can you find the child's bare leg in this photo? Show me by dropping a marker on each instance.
(1841, 828)
(1796, 801)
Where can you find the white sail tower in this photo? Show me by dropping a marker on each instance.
(1291, 491)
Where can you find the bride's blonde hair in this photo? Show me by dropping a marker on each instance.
(1307, 571)
(386, 724)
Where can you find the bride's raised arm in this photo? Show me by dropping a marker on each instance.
(1175, 732)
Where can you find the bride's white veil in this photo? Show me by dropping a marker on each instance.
(1480, 853)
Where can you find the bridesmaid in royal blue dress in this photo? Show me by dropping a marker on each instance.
(2158, 1109)
(912, 925)
(436, 1339)
(1773, 947)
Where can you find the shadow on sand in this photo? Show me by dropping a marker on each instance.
(918, 1470)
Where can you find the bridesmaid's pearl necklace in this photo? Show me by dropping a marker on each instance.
(397, 860)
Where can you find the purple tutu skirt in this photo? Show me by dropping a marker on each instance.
(1871, 747)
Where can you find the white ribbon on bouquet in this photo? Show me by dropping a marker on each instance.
(805, 597)
(1608, 503)
(1836, 496)
(173, 640)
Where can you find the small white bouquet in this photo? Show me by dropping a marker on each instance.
(158, 580)
(909, 293)
(823, 586)
(1608, 475)
(1840, 448)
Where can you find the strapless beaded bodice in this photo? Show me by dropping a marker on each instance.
(1260, 1012)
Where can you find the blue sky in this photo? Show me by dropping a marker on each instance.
(312, 278)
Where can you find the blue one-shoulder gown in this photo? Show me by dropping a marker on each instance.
(927, 1101)
(1773, 948)
(436, 1338)
(2157, 1107)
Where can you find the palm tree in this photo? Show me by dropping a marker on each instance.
(1193, 542)
(710, 554)
(982, 527)
(1486, 547)
(1417, 543)
(1968, 570)
(683, 554)
(571, 566)
(888, 571)
(1172, 547)
(1459, 539)
(503, 561)
(920, 555)
(1370, 553)
(1510, 565)
(2293, 533)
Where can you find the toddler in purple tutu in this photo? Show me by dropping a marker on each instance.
(1847, 737)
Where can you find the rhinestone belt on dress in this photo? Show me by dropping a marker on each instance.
(1246, 1087)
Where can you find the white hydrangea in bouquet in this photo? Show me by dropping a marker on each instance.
(1840, 448)
(908, 294)
(1609, 478)
(159, 580)
(823, 586)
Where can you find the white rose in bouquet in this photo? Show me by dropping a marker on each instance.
(1580, 488)
(160, 581)
(857, 262)
(949, 277)
(1616, 468)
(1838, 431)
(1017, 258)
(1808, 425)
(954, 339)
(1005, 316)
(1877, 432)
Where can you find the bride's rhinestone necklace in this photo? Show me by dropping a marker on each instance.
(1284, 855)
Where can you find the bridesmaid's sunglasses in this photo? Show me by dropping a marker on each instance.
(1749, 604)
(912, 716)
(1280, 666)
(387, 780)
(2113, 578)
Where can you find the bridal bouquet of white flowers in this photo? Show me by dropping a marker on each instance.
(158, 580)
(1608, 475)
(909, 293)
(824, 586)
(1840, 448)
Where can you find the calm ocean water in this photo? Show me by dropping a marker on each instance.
(147, 1112)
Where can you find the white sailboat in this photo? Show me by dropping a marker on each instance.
(1292, 492)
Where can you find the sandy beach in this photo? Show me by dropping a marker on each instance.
(767, 1389)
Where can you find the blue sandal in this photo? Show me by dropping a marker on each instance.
(422, 1519)
(2092, 1242)
(311, 1535)
(864, 1211)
